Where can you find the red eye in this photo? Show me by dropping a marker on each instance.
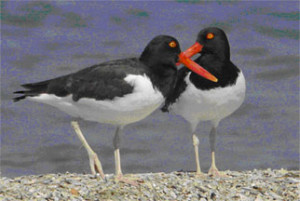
(172, 44)
(210, 36)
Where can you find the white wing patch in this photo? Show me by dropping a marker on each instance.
(119, 111)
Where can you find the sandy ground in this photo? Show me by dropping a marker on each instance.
(232, 185)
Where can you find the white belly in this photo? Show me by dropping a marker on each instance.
(215, 104)
(119, 111)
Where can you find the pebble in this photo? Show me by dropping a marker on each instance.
(255, 185)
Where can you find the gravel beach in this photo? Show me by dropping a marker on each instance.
(245, 185)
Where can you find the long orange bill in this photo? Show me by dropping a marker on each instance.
(185, 60)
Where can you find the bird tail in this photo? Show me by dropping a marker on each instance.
(34, 89)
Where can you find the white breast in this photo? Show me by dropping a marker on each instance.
(120, 111)
(196, 105)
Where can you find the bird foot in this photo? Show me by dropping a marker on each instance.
(214, 172)
(121, 178)
(95, 165)
(200, 175)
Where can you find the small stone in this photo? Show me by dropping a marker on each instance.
(213, 196)
(173, 195)
(293, 180)
(147, 194)
(274, 195)
(166, 190)
(74, 191)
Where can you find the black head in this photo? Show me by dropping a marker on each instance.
(214, 41)
(161, 50)
(213, 46)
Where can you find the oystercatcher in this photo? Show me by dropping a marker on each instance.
(197, 99)
(117, 92)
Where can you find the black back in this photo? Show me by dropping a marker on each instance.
(215, 58)
(106, 80)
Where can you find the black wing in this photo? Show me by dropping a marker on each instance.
(177, 90)
(103, 81)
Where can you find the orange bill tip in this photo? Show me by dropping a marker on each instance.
(193, 66)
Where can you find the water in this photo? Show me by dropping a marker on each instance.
(45, 40)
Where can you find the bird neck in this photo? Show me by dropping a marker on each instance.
(225, 71)
(163, 78)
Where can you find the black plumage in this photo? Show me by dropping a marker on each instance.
(179, 88)
(197, 99)
(215, 58)
(106, 80)
(131, 89)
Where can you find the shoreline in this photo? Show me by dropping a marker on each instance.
(236, 185)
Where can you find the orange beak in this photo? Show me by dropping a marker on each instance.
(194, 49)
(184, 58)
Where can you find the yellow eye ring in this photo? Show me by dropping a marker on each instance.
(172, 44)
(210, 36)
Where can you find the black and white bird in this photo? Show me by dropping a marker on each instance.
(197, 99)
(117, 92)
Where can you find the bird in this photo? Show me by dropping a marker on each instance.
(197, 99)
(117, 92)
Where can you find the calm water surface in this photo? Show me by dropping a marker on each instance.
(42, 40)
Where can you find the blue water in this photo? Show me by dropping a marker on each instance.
(42, 40)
